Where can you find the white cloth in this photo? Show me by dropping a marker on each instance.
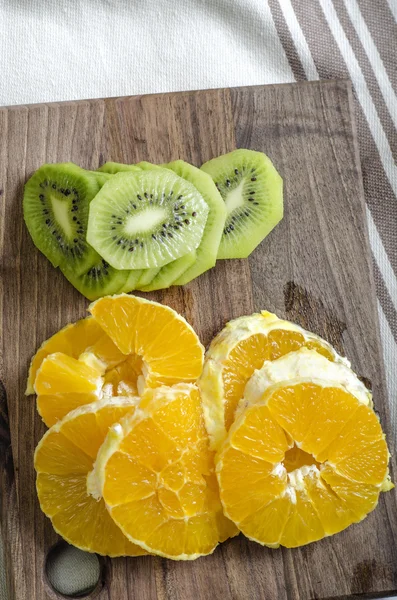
(73, 49)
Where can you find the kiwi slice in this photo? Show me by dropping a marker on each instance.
(98, 279)
(55, 208)
(188, 267)
(146, 219)
(114, 167)
(208, 249)
(147, 277)
(102, 178)
(131, 282)
(253, 193)
(169, 273)
(147, 166)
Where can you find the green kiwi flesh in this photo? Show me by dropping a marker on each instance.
(147, 277)
(55, 207)
(131, 282)
(114, 167)
(208, 250)
(99, 279)
(253, 194)
(146, 219)
(147, 166)
(169, 273)
(102, 178)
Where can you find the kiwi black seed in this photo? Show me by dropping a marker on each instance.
(98, 278)
(141, 234)
(55, 206)
(253, 194)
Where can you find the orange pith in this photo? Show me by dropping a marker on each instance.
(167, 344)
(304, 476)
(158, 478)
(123, 378)
(63, 460)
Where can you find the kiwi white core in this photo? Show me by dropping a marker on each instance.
(235, 198)
(61, 215)
(145, 221)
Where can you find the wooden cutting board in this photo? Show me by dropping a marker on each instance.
(315, 268)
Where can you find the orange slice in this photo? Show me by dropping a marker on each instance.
(63, 460)
(155, 472)
(63, 383)
(168, 346)
(74, 339)
(236, 352)
(303, 462)
(304, 364)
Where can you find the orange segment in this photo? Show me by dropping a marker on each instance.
(53, 407)
(167, 344)
(122, 380)
(61, 374)
(368, 465)
(64, 459)
(236, 352)
(64, 383)
(156, 474)
(74, 339)
(303, 525)
(244, 358)
(268, 522)
(262, 484)
(251, 440)
(275, 481)
(359, 498)
(311, 414)
(294, 407)
(334, 513)
(362, 428)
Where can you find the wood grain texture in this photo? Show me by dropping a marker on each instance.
(315, 268)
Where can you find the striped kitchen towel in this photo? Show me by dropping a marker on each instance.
(357, 39)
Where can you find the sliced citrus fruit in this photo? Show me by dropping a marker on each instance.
(64, 459)
(155, 472)
(303, 462)
(306, 364)
(74, 339)
(168, 346)
(236, 352)
(63, 383)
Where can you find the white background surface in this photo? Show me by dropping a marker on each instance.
(70, 49)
